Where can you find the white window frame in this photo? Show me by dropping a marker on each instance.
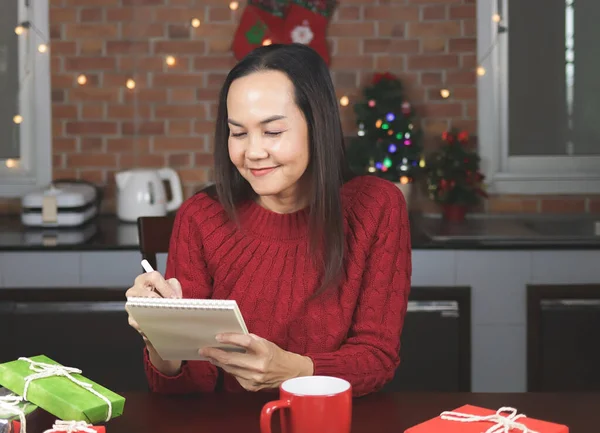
(34, 168)
(517, 174)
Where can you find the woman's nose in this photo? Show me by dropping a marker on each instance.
(256, 148)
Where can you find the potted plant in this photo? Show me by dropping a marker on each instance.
(454, 179)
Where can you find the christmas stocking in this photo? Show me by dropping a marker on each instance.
(262, 22)
(306, 23)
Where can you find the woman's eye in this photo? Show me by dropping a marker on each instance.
(238, 134)
(273, 133)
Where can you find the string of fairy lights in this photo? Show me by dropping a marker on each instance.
(445, 93)
(23, 30)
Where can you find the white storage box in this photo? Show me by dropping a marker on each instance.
(64, 204)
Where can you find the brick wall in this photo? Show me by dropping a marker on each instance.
(102, 126)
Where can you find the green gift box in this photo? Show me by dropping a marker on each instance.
(60, 395)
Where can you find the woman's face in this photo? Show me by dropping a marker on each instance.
(268, 139)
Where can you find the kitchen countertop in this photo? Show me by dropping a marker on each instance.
(107, 233)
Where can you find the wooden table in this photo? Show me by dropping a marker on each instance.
(377, 413)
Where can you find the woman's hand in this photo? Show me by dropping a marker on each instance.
(264, 365)
(153, 285)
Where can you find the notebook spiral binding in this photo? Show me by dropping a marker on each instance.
(183, 304)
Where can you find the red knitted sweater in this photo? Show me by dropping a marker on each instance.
(352, 333)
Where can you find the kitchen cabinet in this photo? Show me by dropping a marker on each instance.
(563, 327)
(435, 353)
(497, 275)
(87, 328)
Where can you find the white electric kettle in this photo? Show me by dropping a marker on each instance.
(141, 192)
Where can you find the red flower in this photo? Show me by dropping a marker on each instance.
(383, 76)
(448, 137)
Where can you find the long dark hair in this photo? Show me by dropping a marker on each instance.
(327, 168)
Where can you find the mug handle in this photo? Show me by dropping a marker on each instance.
(267, 412)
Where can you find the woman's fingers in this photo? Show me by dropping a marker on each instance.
(176, 286)
(155, 282)
(153, 285)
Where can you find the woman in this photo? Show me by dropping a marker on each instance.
(318, 262)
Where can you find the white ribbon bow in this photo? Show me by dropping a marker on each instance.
(71, 427)
(43, 370)
(502, 424)
(10, 404)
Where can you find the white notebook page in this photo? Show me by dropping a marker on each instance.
(179, 328)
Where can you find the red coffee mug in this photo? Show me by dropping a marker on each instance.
(312, 404)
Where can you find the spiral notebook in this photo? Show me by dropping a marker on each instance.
(179, 328)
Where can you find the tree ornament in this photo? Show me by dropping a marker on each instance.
(406, 108)
(371, 168)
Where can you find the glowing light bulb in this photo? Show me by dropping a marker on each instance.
(404, 180)
(18, 119)
(170, 60)
(344, 101)
(195, 23)
(82, 79)
(445, 93)
(496, 18)
(130, 84)
(422, 163)
(234, 5)
(267, 42)
(378, 123)
(19, 30)
(11, 163)
(42, 48)
(480, 71)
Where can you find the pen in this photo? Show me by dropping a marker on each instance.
(147, 266)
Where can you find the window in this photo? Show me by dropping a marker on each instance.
(538, 105)
(25, 142)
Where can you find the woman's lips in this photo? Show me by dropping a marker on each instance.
(258, 172)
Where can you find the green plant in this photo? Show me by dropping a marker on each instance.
(453, 174)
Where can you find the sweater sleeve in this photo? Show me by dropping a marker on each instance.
(370, 355)
(185, 262)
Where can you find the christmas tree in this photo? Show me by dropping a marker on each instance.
(453, 176)
(388, 143)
